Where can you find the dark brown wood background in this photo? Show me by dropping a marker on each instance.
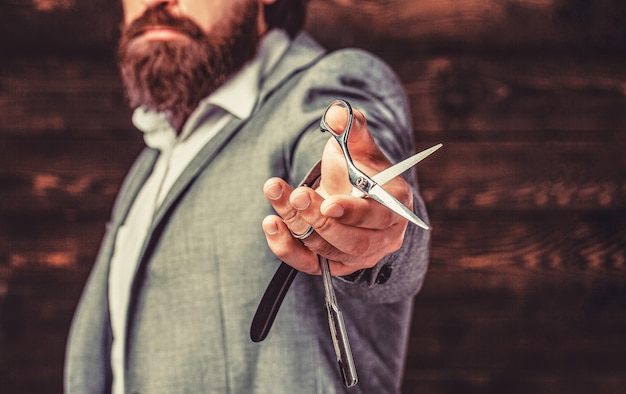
(527, 288)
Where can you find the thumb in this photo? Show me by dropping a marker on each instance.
(365, 153)
(361, 141)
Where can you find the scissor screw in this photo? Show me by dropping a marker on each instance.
(361, 183)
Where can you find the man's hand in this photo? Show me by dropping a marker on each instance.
(353, 233)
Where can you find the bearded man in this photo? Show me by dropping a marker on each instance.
(229, 94)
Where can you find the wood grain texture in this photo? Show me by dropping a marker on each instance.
(553, 96)
(526, 291)
(60, 95)
(526, 176)
(396, 27)
(383, 26)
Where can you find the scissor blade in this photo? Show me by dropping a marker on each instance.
(389, 173)
(379, 194)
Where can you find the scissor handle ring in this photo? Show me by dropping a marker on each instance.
(346, 131)
(357, 177)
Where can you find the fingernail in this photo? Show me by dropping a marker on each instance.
(300, 200)
(270, 227)
(340, 104)
(274, 191)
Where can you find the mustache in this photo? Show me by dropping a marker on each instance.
(158, 16)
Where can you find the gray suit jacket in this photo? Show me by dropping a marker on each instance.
(206, 264)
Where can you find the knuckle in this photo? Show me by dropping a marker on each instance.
(290, 216)
(323, 224)
(317, 245)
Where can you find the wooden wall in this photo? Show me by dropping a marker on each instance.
(527, 287)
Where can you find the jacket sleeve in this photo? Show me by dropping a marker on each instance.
(371, 86)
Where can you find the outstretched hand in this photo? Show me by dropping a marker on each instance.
(353, 233)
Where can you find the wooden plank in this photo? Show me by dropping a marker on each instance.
(386, 26)
(59, 26)
(62, 96)
(52, 176)
(535, 176)
(401, 26)
(520, 97)
(36, 315)
(471, 336)
(525, 247)
(469, 381)
(36, 241)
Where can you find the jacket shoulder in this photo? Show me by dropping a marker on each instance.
(352, 66)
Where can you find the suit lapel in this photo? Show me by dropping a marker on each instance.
(134, 182)
(195, 167)
(302, 52)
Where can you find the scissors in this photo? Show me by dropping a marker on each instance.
(361, 183)
(362, 186)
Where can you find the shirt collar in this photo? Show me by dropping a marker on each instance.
(237, 96)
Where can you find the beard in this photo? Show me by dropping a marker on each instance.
(175, 75)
